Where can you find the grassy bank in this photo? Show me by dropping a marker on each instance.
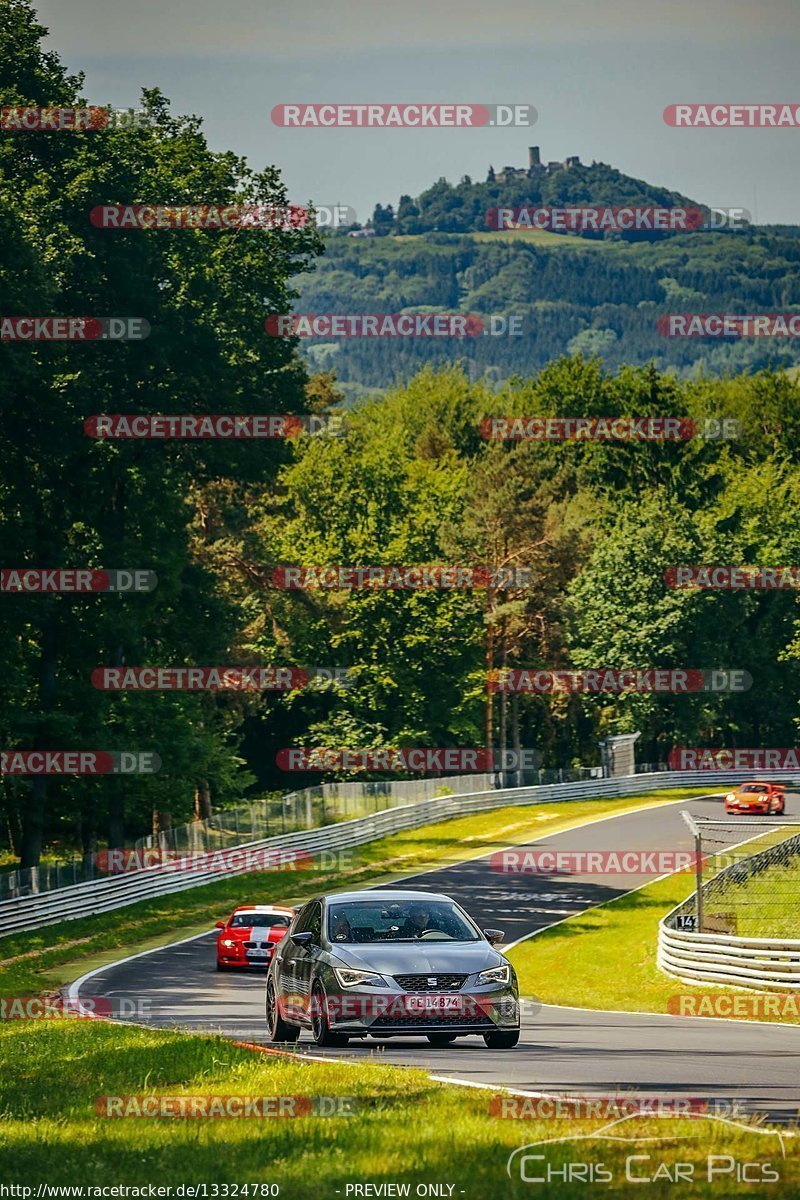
(403, 1127)
(49, 957)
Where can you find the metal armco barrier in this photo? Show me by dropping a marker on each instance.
(760, 963)
(763, 964)
(104, 895)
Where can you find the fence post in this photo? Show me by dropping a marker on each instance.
(698, 870)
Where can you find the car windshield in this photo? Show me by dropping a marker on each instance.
(406, 921)
(258, 920)
(753, 787)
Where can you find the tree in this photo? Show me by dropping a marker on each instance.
(68, 500)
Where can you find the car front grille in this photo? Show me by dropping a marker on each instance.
(430, 982)
(257, 945)
(432, 1022)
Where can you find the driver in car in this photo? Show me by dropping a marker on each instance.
(341, 928)
(418, 921)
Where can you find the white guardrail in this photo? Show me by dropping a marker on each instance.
(759, 963)
(104, 895)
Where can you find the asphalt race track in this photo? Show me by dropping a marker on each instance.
(561, 1049)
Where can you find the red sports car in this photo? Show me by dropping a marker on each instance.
(767, 798)
(250, 935)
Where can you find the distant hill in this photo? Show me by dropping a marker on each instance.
(592, 295)
(463, 207)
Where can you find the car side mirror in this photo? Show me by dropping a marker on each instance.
(301, 939)
(494, 936)
(220, 925)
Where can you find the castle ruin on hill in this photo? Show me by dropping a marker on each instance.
(535, 169)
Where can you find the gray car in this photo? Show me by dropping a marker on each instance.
(389, 964)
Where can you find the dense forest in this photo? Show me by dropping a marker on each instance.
(572, 295)
(409, 480)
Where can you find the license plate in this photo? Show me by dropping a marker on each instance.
(434, 1003)
(258, 953)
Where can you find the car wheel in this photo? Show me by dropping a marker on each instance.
(502, 1039)
(321, 1031)
(278, 1030)
(440, 1039)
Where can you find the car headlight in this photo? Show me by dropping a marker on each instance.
(349, 977)
(730, 796)
(228, 943)
(500, 974)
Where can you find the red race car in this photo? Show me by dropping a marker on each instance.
(250, 935)
(767, 798)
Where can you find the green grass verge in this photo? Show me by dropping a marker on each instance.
(580, 962)
(405, 1128)
(49, 957)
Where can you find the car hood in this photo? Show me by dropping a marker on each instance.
(258, 933)
(411, 958)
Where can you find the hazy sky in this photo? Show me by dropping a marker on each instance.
(599, 73)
